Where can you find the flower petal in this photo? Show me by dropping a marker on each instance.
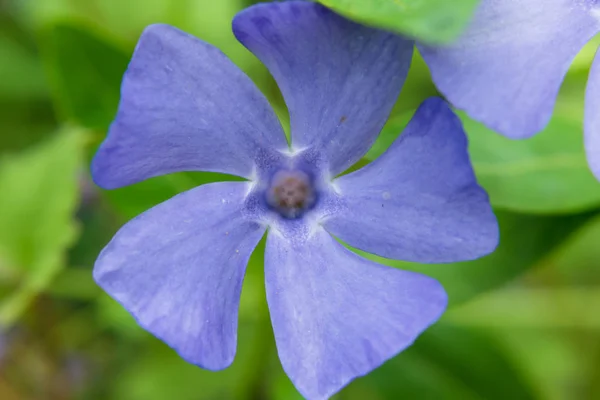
(337, 316)
(419, 201)
(178, 269)
(592, 117)
(507, 68)
(185, 107)
(339, 79)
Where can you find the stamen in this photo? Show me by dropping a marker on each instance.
(291, 193)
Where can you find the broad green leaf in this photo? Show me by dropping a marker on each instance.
(86, 71)
(434, 21)
(36, 215)
(545, 174)
(525, 240)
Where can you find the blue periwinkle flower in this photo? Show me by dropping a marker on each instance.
(507, 68)
(178, 268)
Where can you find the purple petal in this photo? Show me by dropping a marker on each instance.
(339, 79)
(507, 68)
(185, 107)
(419, 201)
(178, 269)
(337, 316)
(592, 117)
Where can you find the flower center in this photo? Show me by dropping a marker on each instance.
(291, 193)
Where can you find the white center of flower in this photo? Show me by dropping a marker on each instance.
(291, 193)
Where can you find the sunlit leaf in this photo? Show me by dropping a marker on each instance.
(40, 194)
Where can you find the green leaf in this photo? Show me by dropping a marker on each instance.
(417, 87)
(524, 241)
(446, 362)
(87, 72)
(545, 174)
(36, 215)
(434, 21)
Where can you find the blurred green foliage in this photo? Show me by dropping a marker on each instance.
(523, 322)
(430, 21)
(37, 216)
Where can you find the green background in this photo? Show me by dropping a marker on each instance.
(523, 323)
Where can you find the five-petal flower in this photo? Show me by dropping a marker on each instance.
(507, 68)
(178, 268)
